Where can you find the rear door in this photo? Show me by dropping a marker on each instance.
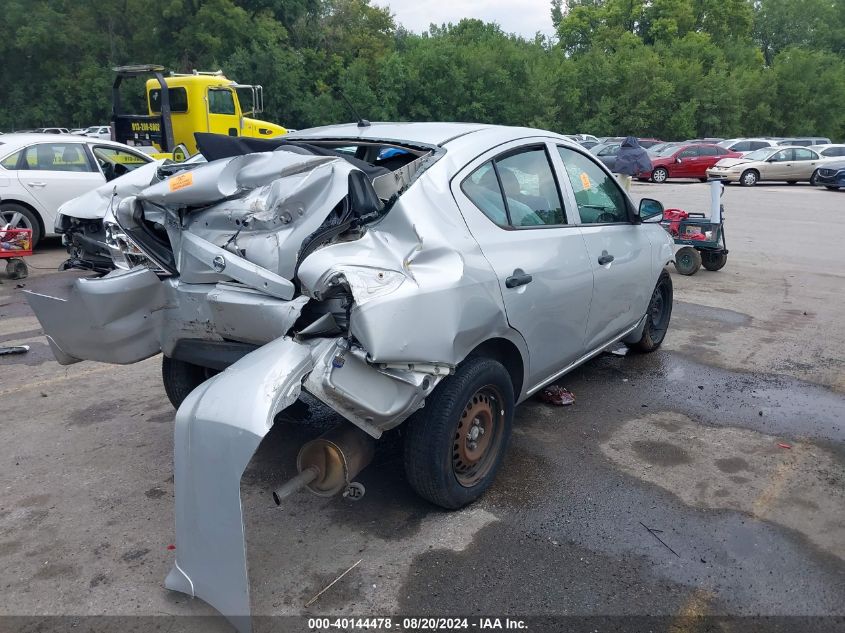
(54, 173)
(804, 163)
(619, 250)
(510, 198)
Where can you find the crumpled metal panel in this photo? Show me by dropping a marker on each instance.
(216, 435)
(261, 212)
(373, 400)
(113, 319)
(446, 302)
(93, 204)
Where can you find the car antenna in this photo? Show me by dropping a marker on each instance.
(362, 122)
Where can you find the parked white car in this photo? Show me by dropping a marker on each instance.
(98, 131)
(39, 172)
(834, 150)
(745, 145)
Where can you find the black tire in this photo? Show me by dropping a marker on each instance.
(702, 179)
(791, 182)
(814, 177)
(658, 315)
(713, 260)
(831, 187)
(180, 378)
(749, 178)
(447, 462)
(22, 218)
(16, 269)
(660, 175)
(687, 260)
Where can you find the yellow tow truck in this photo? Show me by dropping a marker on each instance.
(180, 104)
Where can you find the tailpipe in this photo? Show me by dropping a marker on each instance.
(328, 464)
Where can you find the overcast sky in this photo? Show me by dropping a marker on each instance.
(524, 17)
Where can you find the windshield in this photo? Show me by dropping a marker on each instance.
(759, 154)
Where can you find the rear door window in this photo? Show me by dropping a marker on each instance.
(804, 154)
(11, 162)
(517, 189)
(57, 157)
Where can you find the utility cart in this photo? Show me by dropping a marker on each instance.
(15, 244)
(701, 238)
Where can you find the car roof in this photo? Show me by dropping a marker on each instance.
(428, 133)
(12, 142)
(826, 146)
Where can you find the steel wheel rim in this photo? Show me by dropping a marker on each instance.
(657, 310)
(478, 434)
(15, 219)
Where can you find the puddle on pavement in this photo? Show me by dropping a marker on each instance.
(737, 469)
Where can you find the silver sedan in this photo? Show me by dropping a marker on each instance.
(380, 268)
(790, 164)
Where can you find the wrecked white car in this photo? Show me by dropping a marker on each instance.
(427, 274)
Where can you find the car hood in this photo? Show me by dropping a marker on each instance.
(733, 162)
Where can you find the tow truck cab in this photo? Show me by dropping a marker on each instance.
(195, 102)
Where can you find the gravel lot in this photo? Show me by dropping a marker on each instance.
(685, 441)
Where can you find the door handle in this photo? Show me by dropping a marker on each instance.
(604, 258)
(518, 278)
(37, 184)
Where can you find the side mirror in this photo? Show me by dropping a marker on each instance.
(650, 210)
(678, 160)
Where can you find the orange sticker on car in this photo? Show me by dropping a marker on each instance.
(181, 181)
(585, 180)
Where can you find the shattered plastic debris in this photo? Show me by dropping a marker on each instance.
(16, 349)
(558, 396)
(784, 445)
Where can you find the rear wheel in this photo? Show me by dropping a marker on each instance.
(657, 316)
(19, 217)
(714, 261)
(749, 178)
(660, 174)
(687, 260)
(180, 378)
(455, 445)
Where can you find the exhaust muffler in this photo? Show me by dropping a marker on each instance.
(328, 464)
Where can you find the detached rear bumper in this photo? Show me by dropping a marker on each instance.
(112, 319)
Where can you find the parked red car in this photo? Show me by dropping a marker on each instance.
(686, 161)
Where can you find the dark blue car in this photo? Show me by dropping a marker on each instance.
(831, 175)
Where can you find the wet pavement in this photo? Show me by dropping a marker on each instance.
(707, 478)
